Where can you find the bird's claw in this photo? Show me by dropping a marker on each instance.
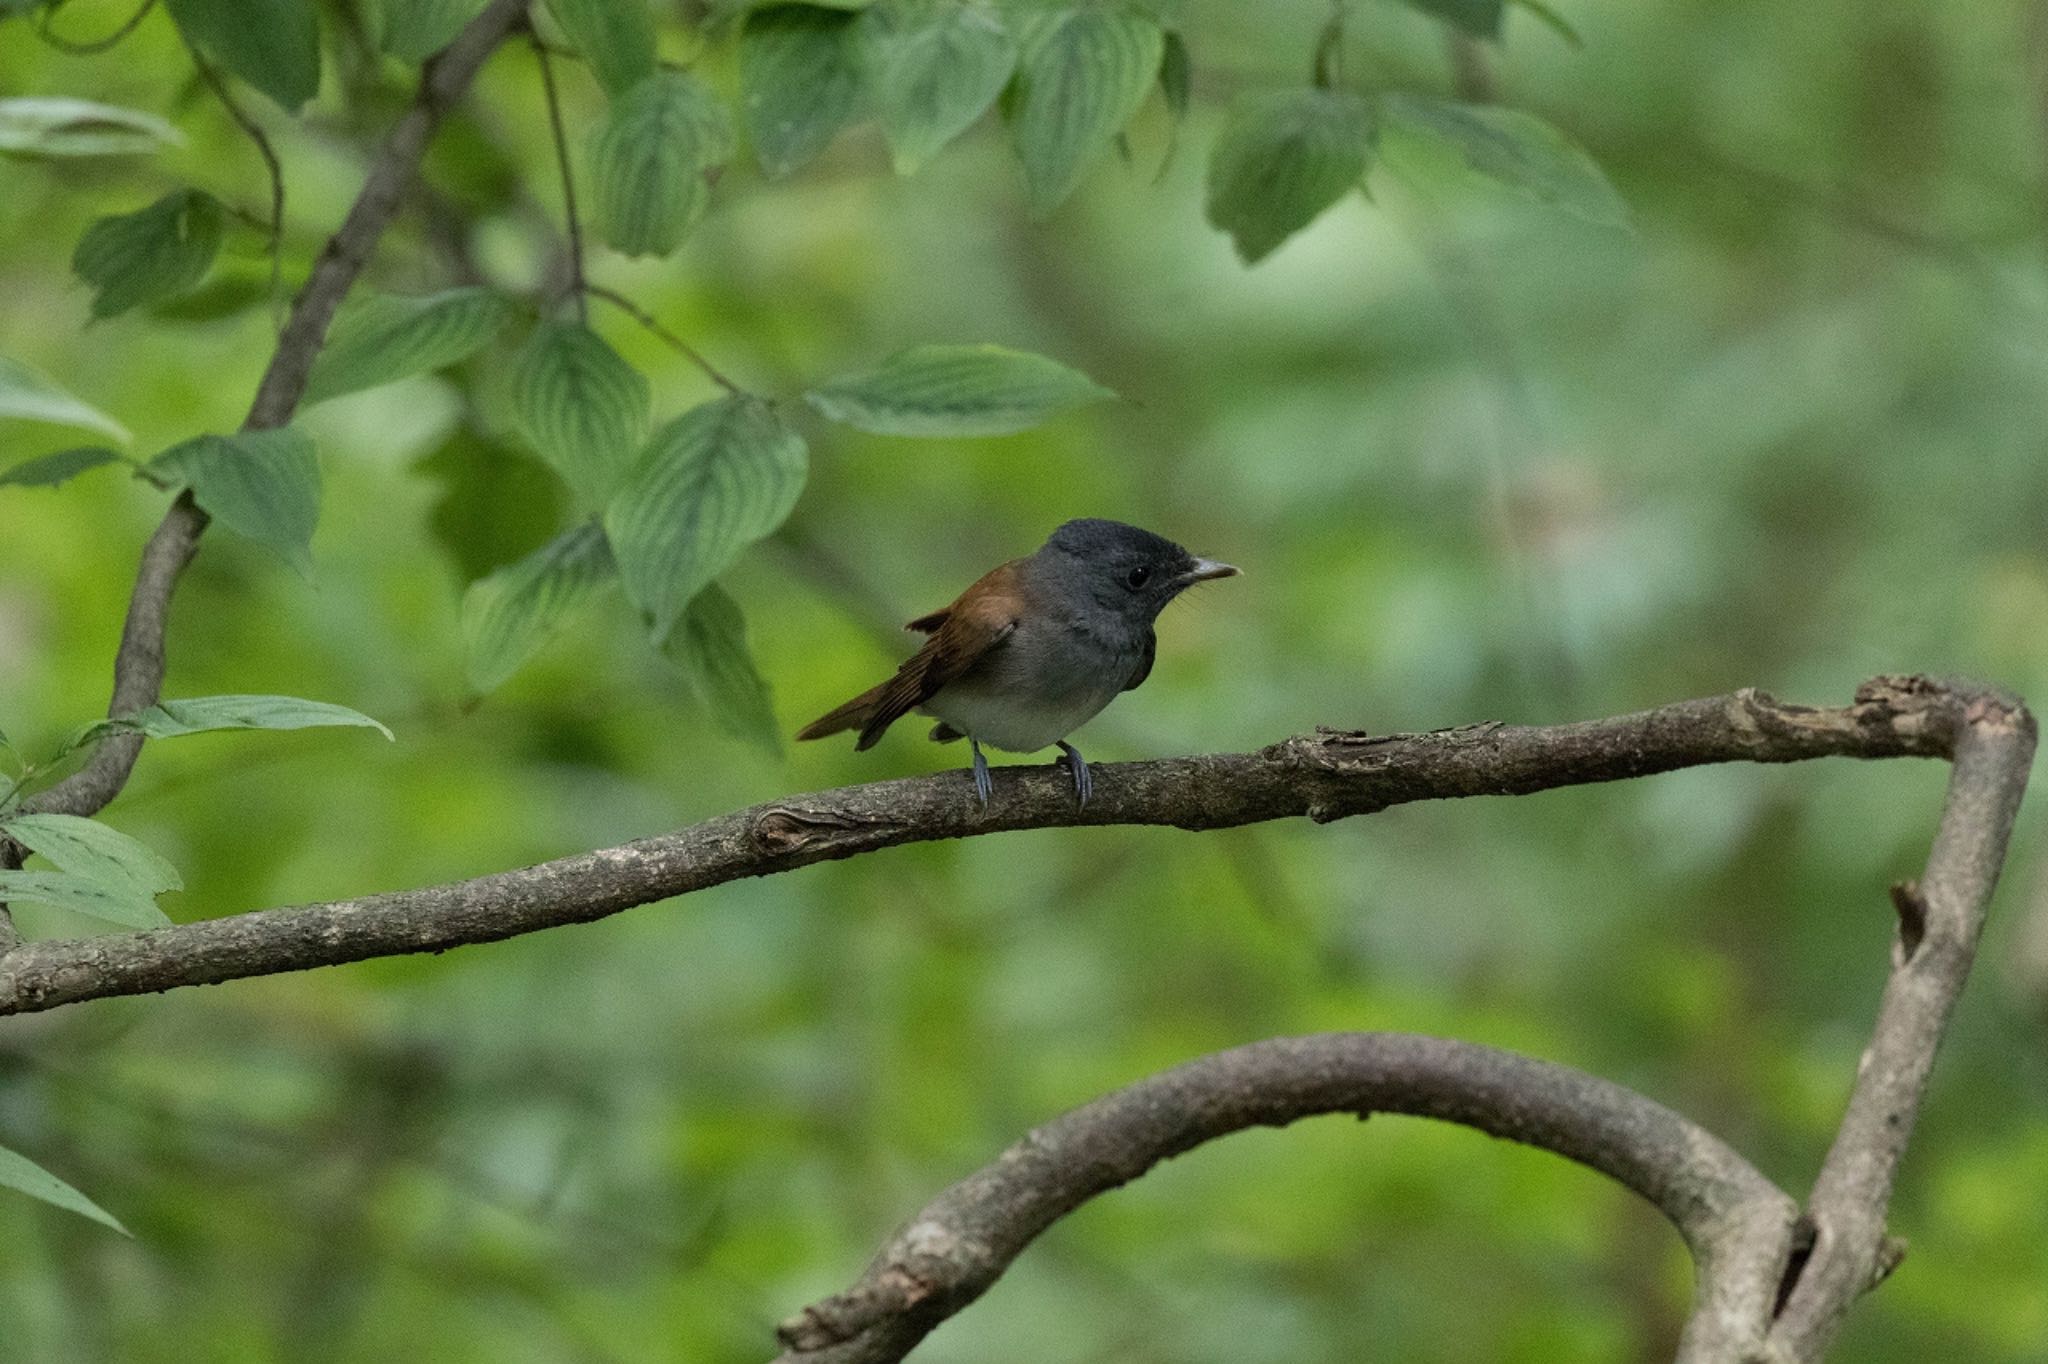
(984, 786)
(1084, 782)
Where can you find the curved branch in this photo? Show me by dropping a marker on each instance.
(1940, 919)
(1737, 1223)
(139, 663)
(1327, 775)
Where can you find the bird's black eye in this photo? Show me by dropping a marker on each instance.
(1137, 577)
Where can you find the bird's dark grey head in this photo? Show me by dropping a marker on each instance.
(1120, 568)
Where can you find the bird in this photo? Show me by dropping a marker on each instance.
(1034, 648)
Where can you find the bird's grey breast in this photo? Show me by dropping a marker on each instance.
(1052, 674)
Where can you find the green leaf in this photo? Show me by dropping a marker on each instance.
(48, 471)
(956, 391)
(709, 484)
(414, 30)
(94, 851)
(1480, 18)
(1176, 75)
(1553, 21)
(149, 254)
(56, 126)
(203, 714)
(582, 407)
(1519, 150)
(799, 82)
(1083, 75)
(272, 44)
(932, 67)
(507, 617)
(383, 337)
(649, 160)
(491, 503)
(20, 1173)
(81, 896)
(709, 647)
(615, 36)
(1283, 157)
(261, 484)
(28, 394)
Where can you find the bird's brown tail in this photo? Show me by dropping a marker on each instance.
(852, 715)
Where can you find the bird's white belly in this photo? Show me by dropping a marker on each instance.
(1013, 723)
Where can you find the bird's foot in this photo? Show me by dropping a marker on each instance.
(984, 786)
(1084, 784)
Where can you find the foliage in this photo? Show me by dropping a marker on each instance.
(1481, 459)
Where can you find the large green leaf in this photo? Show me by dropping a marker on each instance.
(20, 1173)
(414, 30)
(1480, 18)
(204, 714)
(80, 896)
(649, 160)
(582, 407)
(956, 391)
(1519, 150)
(382, 337)
(52, 125)
(48, 471)
(152, 253)
(28, 394)
(492, 503)
(709, 647)
(1283, 157)
(799, 81)
(95, 852)
(262, 484)
(507, 617)
(1083, 75)
(932, 67)
(709, 484)
(615, 36)
(272, 44)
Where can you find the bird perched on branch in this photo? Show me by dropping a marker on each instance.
(1035, 648)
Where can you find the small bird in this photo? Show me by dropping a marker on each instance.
(1035, 648)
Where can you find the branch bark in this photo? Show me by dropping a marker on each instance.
(1741, 1229)
(1327, 775)
(1737, 1223)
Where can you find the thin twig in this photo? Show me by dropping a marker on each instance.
(561, 137)
(218, 84)
(139, 661)
(75, 48)
(646, 319)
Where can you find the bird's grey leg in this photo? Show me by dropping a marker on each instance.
(1084, 785)
(983, 786)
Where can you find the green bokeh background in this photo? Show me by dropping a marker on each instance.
(1480, 461)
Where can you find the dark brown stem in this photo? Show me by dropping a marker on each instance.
(661, 333)
(1326, 776)
(1737, 1223)
(255, 133)
(87, 47)
(139, 662)
(570, 217)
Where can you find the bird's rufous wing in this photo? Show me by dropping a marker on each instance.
(960, 636)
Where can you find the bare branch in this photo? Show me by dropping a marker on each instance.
(1940, 920)
(1325, 776)
(139, 663)
(1737, 1223)
(1772, 1284)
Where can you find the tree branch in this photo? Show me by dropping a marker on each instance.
(1737, 1223)
(139, 663)
(1940, 920)
(1740, 1227)
(1326, 776)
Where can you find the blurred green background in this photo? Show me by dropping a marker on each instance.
(1480, 461)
